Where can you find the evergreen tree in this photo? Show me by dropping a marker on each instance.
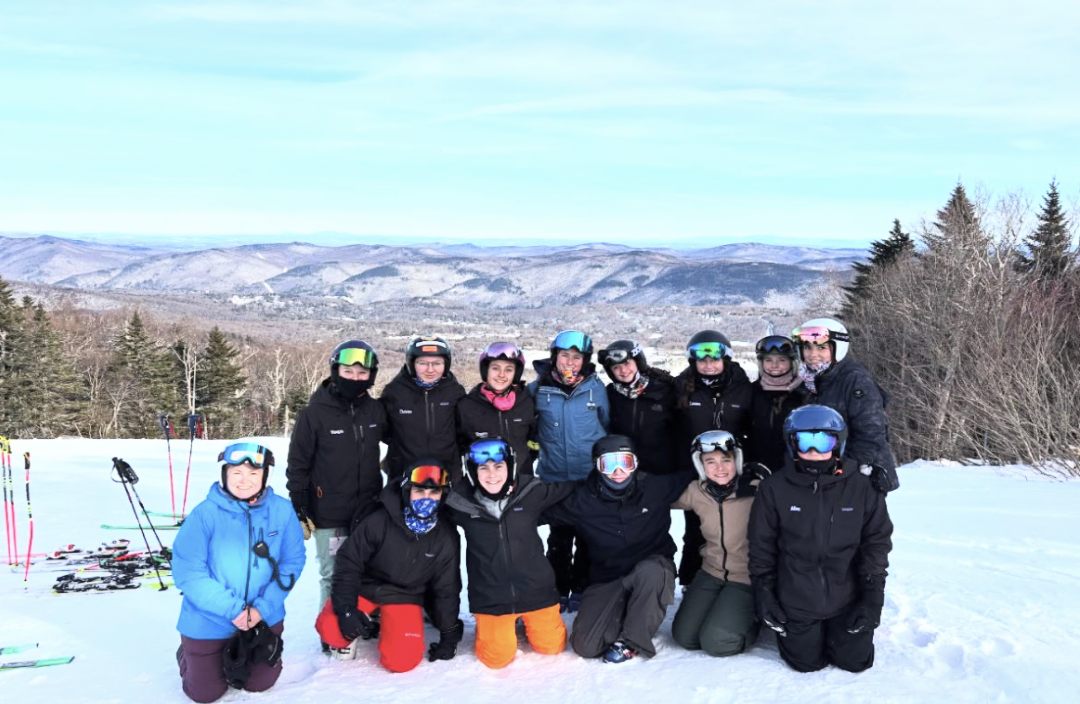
(141, 382)
(220, 385)
(882, 253)
(957, 227)
(9, 341)
(51, 399)
(1049, 245)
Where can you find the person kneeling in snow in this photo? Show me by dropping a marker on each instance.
(398, 558)
(624, 517)
(820, 537)
(508, 574)
(235, 559)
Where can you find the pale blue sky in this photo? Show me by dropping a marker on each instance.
(646, 122)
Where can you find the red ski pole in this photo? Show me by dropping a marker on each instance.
(9, 505)
(194, 428)
(29, 515)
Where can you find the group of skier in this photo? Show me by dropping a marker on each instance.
(782, 480)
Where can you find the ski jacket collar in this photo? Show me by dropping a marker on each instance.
(405, 380)
(545, 378)
(464, 497)
(219, 498)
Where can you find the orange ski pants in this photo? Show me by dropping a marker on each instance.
(401, 632)
(496, 637)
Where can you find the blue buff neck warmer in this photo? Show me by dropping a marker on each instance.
(421, 515)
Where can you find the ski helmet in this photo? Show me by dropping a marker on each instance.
(621, 350)
(249, 453)
(776, 345)
(611, 445)
(487, 449)
(572, 340)
(427, 474)
(713, 441)
(428, 346)
(805, 425)
(708, 343)
(823, 330)
(353, 352)
(502, 350)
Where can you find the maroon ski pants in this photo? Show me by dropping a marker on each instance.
(202, 672)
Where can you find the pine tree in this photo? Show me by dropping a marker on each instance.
(141, 382)
(220, 385)
(882, 253)
(957, 227)
(1049, 245)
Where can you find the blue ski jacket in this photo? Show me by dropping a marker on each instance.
(214, 564)
(568, 424)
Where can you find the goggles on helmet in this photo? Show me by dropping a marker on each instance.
(611, 462)
(489, 451)
(247, 453)
(502, 349)
(572, 339)
(429, 475)
(775, 344)
(818, 334)
(715, 440)
(816, 440)
(708, 350)
(355, 355)
(618, 356)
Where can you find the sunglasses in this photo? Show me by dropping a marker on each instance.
(489, 451)
(708, 350)
(247, 453)
(572, 339)
(611, 462)
(355, 355)
(429, 475)
(715, 440)
(816, 440)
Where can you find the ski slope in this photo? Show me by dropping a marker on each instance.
(982, 605)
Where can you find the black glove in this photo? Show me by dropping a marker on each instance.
(446, 648)
(752, 472)
(300, 502)
(865, 615)
(354, 623)
(264, 646)
(234, 661)
(880, 478)
(769, 611)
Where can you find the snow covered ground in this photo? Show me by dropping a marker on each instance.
(982, 605)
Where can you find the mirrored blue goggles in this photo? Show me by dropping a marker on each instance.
(489, 451)
(820, 441)
(708, 350)
(776, 344)
(247, 453)
(611, 462)
(572, 339)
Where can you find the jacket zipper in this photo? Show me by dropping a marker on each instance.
(723, 546)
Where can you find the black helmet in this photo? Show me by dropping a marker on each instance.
(485, 449)
(814, 418)
(353, 352)
(620, 351)
(776, 344)
(708, 343)
(502, 350)
(611, 443)
(429, 346)
(426, 473)
(572, 340)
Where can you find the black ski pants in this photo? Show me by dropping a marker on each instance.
(571, 567)
(811, 645)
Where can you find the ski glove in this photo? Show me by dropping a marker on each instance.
(880, 478)
(264, 645)
(866, 614)
(769, 611)
(752, 472)
(354, 623)
(299, 502)
(446, 648)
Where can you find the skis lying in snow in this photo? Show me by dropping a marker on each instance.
(9, 649)
(108, 527)
(44, 662)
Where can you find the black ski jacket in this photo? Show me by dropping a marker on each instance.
(814, 540)
(386, 563)
(649, 421)
(333, 465)
(724, 406)
(621, 532)
(768, 410)
(477, 418)
(508, 572)
(850, 390)
(422, 423)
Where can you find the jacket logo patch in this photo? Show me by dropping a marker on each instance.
(429, 554)
(846, 509)
(374, 425)
(519, 508)
(796, 508)
(695, 403)
(644, 510)
(444, 403)
(657, 407)
(273, 534)
(735, 405)
(517, 420)
(405, 411)
(859, 393)
(337, 432)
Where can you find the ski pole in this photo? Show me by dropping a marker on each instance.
(194, 424)
(166, 427)
(9, 506)
(30, 516)
(129, 478)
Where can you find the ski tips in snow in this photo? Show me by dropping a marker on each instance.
(22, 664)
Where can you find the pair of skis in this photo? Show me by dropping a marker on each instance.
(195, 428)
(42, 662)
(10, 519)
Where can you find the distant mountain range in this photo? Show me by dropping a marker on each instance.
(448, 274)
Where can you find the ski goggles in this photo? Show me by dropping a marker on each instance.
(716, 440)
(611, 462)
(816, 440)
(489, 451)
(428, 475)
(355, 355)
(708, 350)
(817, 334)
(572, 339)
(503, 349)
(776, 344)
(619, 356)
(247, 453)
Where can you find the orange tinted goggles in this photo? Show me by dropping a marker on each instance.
(429, 475)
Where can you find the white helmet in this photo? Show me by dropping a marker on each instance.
(823, 330)
(711, 441)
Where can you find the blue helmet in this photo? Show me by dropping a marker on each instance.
(813, 418)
